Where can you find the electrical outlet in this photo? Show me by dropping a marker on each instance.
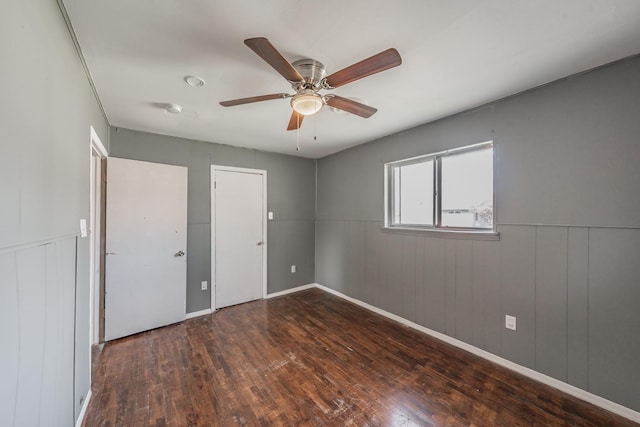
(510, 322)
(270, 215)
(203, 285)
(293, 268)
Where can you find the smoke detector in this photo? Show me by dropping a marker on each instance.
(173, 108)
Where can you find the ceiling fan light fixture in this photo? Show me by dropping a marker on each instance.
(307, 102)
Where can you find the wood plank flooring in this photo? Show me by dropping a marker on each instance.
(312, 359)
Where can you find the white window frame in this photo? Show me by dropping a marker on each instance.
(437, 228)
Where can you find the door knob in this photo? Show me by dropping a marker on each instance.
(260, 243)
(179, 254)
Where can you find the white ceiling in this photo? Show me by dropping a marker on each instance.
(456, 55)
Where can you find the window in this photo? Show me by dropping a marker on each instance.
(451, 190)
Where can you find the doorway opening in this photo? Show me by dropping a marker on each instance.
(98, 156)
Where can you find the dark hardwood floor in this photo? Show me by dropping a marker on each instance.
(313, 359)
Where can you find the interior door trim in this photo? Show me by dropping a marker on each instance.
(263, 173)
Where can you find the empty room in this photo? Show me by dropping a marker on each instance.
(340, 213)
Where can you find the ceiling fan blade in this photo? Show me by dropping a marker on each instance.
(295, 121)
(350, 106)
(265, 50)
(380, 62)
(251, 99)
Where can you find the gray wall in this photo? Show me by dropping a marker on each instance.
(45, 116)
(290, 195)
(566, 264)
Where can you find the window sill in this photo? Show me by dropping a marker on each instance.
(444, 233)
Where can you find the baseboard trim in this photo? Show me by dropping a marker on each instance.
(292, 290)
(198, 313)
(273, 295)
(596, 400)
(83, 411)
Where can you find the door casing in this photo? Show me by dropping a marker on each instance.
(97, 155)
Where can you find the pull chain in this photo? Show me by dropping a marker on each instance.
(298, 133)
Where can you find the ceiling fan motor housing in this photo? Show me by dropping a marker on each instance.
(312, 71)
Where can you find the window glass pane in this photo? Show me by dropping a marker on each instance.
(467, 189)
(415, 204)
(396, 195)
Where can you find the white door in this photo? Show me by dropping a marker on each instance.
(146, 240)
(238, 205)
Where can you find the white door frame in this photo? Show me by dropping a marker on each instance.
(213, 228)
(97, 151)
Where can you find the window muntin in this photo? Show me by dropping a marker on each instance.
(451, 190)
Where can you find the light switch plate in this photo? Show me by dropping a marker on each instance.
(510, 322)
(270, 215)
(83, 227)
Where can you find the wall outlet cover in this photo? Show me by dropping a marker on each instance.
(203, 285)
(293, 268)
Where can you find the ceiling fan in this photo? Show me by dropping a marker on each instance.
(308, 77)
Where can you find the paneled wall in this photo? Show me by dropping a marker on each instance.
(566, 264)
(37, 306)
(573, 294)
(44, 192)
(290, 196)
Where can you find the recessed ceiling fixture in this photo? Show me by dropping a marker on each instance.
(173, 108)
(194, 81)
